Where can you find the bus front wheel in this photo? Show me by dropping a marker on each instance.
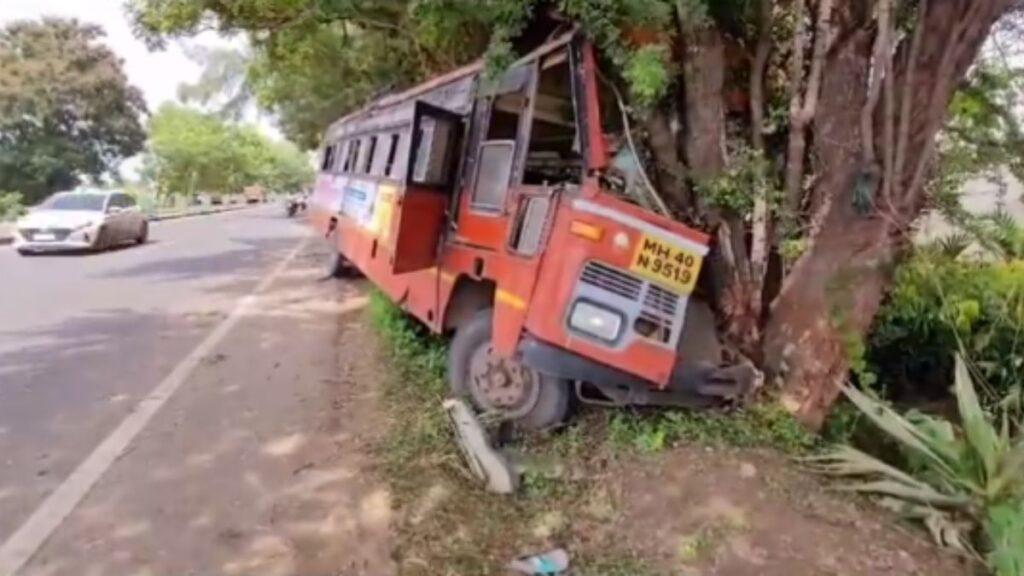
(495, 384)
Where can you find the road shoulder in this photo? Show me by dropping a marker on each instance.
(260, 464)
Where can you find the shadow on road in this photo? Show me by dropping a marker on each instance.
(252, 255)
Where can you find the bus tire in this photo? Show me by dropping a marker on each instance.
(335, 263)
(533, 400)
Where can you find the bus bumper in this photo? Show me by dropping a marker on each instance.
(698, 385)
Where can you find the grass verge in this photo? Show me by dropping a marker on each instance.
(447, 524)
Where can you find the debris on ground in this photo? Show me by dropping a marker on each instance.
(554, 562)
(489, 465)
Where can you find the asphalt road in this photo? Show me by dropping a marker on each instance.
(204, 365)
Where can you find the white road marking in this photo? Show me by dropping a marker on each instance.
(30, 536)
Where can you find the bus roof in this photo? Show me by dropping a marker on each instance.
(472, 69)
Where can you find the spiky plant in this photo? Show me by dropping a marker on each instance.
(958, 479)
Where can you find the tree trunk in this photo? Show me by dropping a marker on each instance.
(704, 77)
(729, 263)
(829, 299)
(670, 171)
(828, 303)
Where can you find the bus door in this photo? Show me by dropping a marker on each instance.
(430, 182)
(495, 158)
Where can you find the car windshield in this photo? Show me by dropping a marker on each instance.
(93, 202)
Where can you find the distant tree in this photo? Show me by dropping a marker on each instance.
(67, 110)
(191, 151)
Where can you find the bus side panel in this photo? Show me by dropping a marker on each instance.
(363, 231)
(514, 278)
(324, 203)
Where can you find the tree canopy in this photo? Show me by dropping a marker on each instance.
(191, 152)
(66, 107)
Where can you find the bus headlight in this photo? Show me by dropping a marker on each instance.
(595, 320)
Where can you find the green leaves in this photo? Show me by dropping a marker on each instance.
(66, 108)
(192, 152)
(1004, 525)
(938, 302)
(11, 206)
(953, 479)
(648, 73)
(747, 176)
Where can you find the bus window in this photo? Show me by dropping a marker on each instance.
(496, 154)
(338, 156)
(343, 159)
(505, 113)
(328, 158)
(436, 148)
(553, 154)
(494, 169)
(401, 164)
(389, 158)
(359, 164)
(353, 156)
(371, 150)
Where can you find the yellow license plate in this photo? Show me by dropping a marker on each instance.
(666, 264)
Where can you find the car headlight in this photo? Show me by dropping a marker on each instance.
(595, 320)
(83, 226)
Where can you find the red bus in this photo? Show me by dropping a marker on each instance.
(489, 211)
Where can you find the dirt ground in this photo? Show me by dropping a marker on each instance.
(689, 509)
(738, 512)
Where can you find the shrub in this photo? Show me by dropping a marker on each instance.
(938, 304)
(11, 205)
(959, 478)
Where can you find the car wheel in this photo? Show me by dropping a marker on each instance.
(102, 240)
(533, 400)
(143, 235)
(24, 252)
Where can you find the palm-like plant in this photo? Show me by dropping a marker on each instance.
(956, 478)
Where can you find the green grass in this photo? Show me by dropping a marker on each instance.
(449, 525)
(756, 426)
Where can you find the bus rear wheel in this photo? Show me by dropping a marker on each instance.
(334, 262)
(494, 384)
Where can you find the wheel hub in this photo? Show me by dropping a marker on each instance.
(502, 384)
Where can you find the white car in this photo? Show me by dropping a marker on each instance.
(94, 220)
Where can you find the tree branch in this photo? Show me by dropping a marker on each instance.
(903, 134)
(881, 60)
(759, 231)
(803, 108)
(937, 103)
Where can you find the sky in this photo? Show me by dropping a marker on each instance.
(156, 73)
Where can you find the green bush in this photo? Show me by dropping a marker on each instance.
(11, 206)
(938, 303)
(963, 479)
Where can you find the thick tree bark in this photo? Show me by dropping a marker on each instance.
(803, 342)
(670, 171)
(704, 77)
(704, 144)
(833, 292)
